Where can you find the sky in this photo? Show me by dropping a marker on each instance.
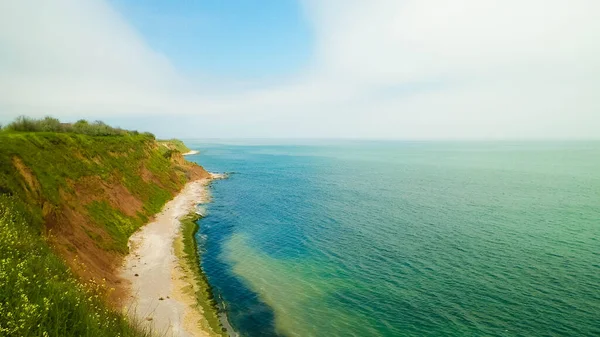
(373, 69)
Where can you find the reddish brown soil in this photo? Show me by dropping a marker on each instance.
(75, 236)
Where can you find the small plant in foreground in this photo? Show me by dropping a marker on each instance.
(38, 294)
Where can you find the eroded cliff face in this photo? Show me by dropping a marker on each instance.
(90, 194)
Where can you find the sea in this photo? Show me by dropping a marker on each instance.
(403, 238)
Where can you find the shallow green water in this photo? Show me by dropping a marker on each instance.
(405, 239)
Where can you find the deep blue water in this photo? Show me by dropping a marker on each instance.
(405, 238)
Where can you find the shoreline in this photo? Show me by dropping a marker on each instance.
(163, 290)
(192, 152)
(197, 288)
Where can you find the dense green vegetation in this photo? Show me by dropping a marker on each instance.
(113, 179)
(118, 225)
(38, 294)
(50, 124)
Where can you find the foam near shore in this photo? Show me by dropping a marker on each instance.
(191, 153)
(159, 287)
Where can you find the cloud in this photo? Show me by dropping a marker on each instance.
(65, 56)
(453, 69)
(381, 69)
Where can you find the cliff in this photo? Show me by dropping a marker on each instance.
(174, 144)
(74, 200)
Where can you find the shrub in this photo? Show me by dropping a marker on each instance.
(49, 124)
(82, 126)
(24, 124)
(149, 134)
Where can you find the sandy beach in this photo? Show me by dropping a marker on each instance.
(157, 292)
(191, 153)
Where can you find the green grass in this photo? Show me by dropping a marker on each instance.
(118, 225)
(174, 144)
(191, 257)
(58, 160)
(38, 294)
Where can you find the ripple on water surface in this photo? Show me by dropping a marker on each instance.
(399, 239)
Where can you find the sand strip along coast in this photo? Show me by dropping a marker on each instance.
(157, 297)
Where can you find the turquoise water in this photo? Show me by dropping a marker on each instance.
(405, 239)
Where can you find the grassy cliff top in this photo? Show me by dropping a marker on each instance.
(174, 144)
(70, 197)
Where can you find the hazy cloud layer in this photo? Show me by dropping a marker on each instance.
(384, 69)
